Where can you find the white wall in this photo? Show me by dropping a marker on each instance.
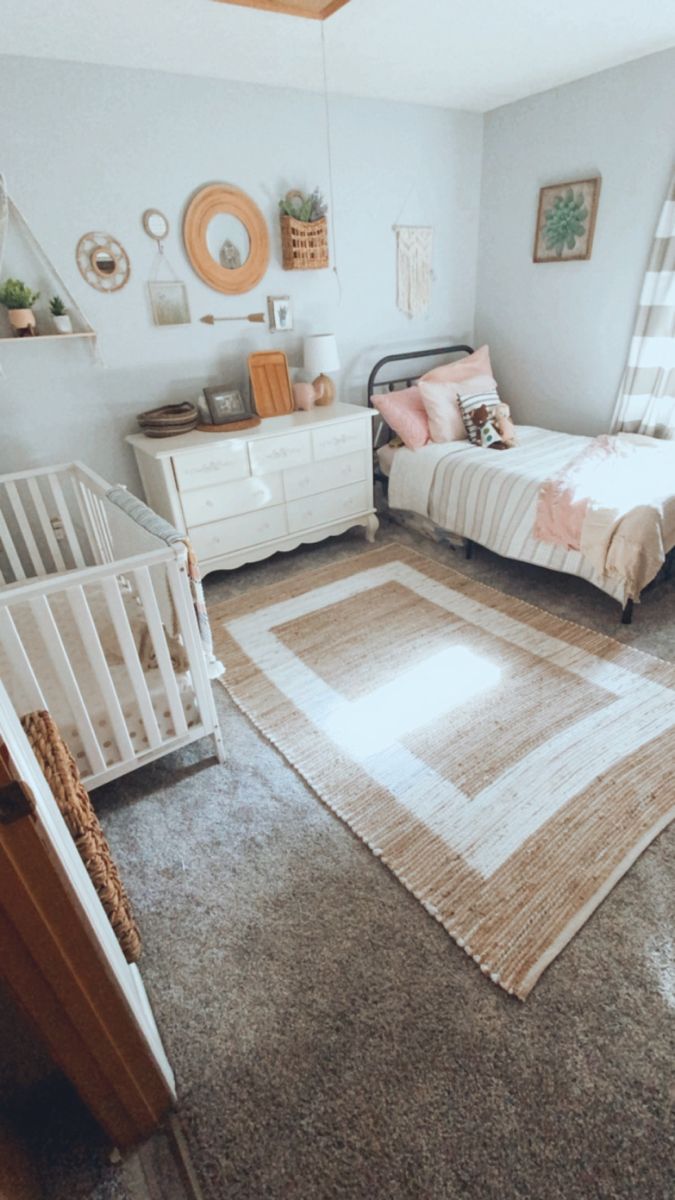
(91, 148)
(559, 332)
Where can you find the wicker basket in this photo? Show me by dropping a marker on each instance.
(60, 770)
(304, 244)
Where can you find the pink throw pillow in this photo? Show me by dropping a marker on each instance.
(405, 413)
(463, 370)
(445, 419)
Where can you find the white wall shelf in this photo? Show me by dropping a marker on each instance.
(48, 337)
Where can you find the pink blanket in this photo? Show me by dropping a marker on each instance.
(564, 499)
(615, 504)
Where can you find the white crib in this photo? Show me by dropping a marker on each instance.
(97, 624)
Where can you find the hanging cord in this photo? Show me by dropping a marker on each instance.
(329, 146)
(160, 260)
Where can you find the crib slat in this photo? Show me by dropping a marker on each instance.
(99, 505)
(47, 529)
(84, 500)
(79, 606)
(24, 525)
(66, 520)
(200, 679)
(16, 653)
(152, 615)
(61, 663)
(125, 637)
(99, 523)
(10, 549)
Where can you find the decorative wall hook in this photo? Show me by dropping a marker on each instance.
(257, 318)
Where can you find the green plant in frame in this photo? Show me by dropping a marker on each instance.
(565, 221)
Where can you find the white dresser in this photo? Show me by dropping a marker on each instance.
(243, 496)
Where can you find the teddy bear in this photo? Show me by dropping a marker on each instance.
(488, 433)
(505, 425)
(494, 425)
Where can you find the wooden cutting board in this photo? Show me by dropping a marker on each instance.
(270, 383)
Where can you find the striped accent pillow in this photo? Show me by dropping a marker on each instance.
(479, 412)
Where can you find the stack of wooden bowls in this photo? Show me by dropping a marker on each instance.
(168, 421)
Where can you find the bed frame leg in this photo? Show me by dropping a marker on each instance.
(468, 548)
(627, 614)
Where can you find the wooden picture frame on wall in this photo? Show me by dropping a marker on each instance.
(566, 221)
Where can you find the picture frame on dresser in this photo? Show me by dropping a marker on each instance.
(242, 496)
(226, 404)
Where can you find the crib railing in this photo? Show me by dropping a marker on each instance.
(97, 624)
(52, 520)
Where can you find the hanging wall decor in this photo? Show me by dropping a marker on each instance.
(16, 237)
(566, 221)
(226, 238)
(168, 297)
(414, 245)
(103, 262)
(304, 231)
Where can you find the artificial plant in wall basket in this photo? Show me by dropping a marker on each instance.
(304, 231)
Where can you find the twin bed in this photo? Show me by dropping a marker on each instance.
(494, 498)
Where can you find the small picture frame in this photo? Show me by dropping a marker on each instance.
(226, 405)
(566, 221)
(280, 313)
(169, 302)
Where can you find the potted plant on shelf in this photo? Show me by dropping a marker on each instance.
(18, 299)
(62, 322)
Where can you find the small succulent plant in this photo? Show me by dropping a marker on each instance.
(56, 307)
(15, 294)
(565, 221)
(307, 208)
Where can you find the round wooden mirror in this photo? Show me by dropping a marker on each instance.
(231, 254)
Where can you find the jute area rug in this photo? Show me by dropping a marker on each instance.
(506, 765)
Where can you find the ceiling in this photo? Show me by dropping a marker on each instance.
(442, 52)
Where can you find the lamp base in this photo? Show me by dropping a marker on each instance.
(324, 390)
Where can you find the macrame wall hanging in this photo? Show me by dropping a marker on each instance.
(413, 268)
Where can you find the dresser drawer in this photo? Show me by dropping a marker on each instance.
(208, 465)
(229, 499)
(318, 477)
(236, 533)
(341, 439)
(288, 450)
(329, 506)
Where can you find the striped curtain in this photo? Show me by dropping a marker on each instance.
(646, 402)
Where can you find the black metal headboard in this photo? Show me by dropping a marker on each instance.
(408, 380)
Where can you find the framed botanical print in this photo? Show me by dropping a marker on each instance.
(566, 221)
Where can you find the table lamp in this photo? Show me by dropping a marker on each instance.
(320, 357)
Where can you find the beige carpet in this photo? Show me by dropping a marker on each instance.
(506, 765)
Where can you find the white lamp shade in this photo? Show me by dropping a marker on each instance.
(320, 354)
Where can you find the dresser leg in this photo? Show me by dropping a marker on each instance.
(372, 526)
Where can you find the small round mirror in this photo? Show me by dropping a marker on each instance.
(155, 224)
(103, 262)
(228, 241)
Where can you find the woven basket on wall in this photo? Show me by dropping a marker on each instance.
(304, 244)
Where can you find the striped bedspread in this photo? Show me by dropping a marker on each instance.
(490, 496)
